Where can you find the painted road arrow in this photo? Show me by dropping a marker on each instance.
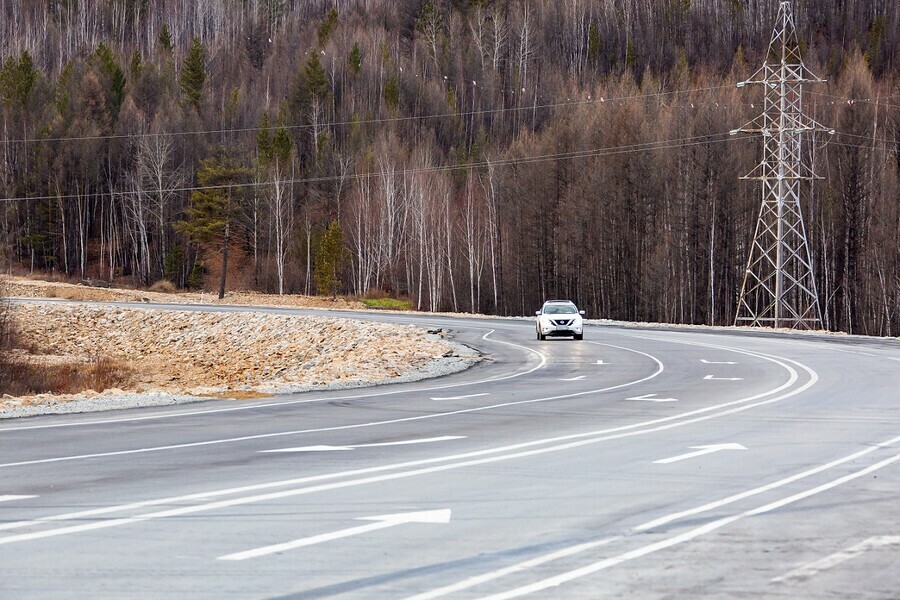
(444, 438)
(652, 398)
(380, 522)
(700, 451)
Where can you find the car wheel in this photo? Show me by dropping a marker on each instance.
(579, 336)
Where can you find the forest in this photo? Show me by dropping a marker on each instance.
(468, 155)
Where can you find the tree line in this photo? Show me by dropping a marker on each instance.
(476, 155)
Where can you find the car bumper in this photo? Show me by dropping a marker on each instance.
(552, 331)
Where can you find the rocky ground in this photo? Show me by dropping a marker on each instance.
(181, 355)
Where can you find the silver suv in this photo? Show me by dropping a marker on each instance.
(558, 318)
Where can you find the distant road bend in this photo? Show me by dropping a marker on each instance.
(638, 463)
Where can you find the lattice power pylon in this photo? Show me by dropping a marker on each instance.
(779, 287)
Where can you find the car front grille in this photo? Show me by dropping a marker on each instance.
(562, 322)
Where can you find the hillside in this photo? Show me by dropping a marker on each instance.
(477, 155)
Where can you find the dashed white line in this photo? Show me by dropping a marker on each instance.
(10, 498)
(439, 398)
(699, 451)
(441, 516)
(444, 438)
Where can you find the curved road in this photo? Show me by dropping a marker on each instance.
(639, 463)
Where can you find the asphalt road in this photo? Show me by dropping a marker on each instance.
(638, 463)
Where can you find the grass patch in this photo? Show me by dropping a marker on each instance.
(27, 376)
(387, 303)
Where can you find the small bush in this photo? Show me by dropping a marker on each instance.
(163, 286)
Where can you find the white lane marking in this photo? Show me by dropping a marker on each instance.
(712, 378)
(10, 498)
(381, 522)
(516, 568)
(541, 364)
(714, 362)
(579, 378)
(813, 568)
(461, 411)
(590, 569)
(468, 459)
(460, 397)
(764, 488)
(652, 398)
(600, 362)
(699, 451)
(892, 358)
(309, 449)
(443, 438)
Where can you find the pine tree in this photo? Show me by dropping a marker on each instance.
(327, 26)
(165, 38)
(330, 260)
(355, 59)
(215, 205)
(17, 80)
(193, 74)
(316, 78)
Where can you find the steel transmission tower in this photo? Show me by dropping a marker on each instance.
(779, 288)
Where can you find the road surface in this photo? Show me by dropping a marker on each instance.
(638, 463)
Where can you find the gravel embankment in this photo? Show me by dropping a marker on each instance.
(177, 356)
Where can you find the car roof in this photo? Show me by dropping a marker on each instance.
(559, 302)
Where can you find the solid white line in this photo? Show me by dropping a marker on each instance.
(517, 568)
(10, 498)
(516, 451)
(462, 397)
(590, 569)
(579, 378)
(713, 362)
(829, 562)
(346, 427)
(192, 413)
(444, 438)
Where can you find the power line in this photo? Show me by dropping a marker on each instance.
(878, 101)
(577, 154)
(486, 111)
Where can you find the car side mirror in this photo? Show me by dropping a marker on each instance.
(537, 312)
(581, 312)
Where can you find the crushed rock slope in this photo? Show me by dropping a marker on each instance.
(183, 352)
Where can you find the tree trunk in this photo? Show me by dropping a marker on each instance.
(224, 261)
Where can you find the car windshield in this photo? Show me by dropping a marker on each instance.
(560, 309)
